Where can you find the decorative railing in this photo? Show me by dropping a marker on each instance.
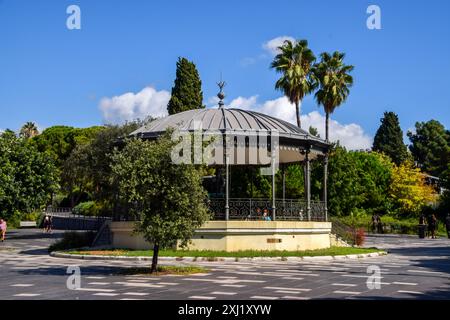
(247, 209)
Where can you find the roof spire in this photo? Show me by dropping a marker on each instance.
(221, 94)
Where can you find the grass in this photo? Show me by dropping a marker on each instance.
(333, 251)
(164, 270)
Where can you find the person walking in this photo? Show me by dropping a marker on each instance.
(432, 226)
(46, 223)
(379, 224)
(374, 222)
(447, 224)
(2, 229)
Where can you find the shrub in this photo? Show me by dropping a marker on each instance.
(360, 237)
(73, 240)
(89, 208)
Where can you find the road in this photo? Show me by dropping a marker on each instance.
(413, 269)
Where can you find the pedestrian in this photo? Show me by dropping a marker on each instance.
(46, 223)
(379, 224)
(2, 229)
(432, 226)
(374, 222)
(50, 224)
(266, 216)
(447, 224)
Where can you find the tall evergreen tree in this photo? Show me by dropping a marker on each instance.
(187, 90)
(389, 139)
(430, 146)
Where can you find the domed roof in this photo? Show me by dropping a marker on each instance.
(224, 120)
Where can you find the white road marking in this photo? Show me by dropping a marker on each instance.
(95, 289)
(224, 293)
(346, 292)
(233, 285)
(344, 284)
(136, 284)
(22, 285)
(296, 298)
(411, 292)
(263, 298)
(99, 283)
(202, 297)
(288, 289)
(105, 294)
(405, 283)
(27, 295)
(136, 293)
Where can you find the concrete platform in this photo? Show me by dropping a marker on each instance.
(240, 235)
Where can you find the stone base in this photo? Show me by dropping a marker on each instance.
(240, 235)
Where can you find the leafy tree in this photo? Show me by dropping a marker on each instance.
(27, 177)
(295, 62)
(334, 81)
(88, 168)
(358, 180)
(389, 139)
(187, 91)
(59, 141)
(409, 190)
(169, 198)
(29, 130)
(430, 147)
(313, 131)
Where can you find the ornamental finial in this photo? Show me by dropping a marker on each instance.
(221, 94)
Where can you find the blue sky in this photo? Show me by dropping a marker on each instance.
(52, 75)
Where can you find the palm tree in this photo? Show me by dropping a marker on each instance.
(295, 62)
(29, 130)
(334, 80)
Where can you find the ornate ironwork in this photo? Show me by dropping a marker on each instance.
(247, 209)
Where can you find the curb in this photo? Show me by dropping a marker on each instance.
(58, 254)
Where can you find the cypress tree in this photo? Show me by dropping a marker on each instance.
(187, 90)
(389, 139)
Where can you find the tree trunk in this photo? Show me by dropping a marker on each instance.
(155, 258)
(297, 113)
(327, 120)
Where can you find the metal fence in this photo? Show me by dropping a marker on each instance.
(247, 209)
(64, 219)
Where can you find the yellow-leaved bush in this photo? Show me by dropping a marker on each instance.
(409, 190)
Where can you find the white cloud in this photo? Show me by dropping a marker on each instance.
(350, 135)
(272, 45)
(130, 106)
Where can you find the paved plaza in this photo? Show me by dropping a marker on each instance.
(413, 269)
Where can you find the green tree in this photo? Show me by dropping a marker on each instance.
(358, 180)
(59, 141)
(295, 62)
(430, 147)
(334, 81)
(27, 177)
(313, 131)
(389, 139)
(169, 198)
(187, 91)
(87, 170)
(29, 130)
